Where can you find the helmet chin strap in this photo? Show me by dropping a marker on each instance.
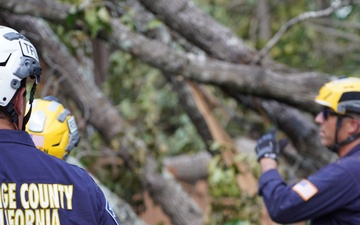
(10, 110)
(14, 117)
(335, 148)
(31, 99)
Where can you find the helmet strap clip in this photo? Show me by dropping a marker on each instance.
(31, 99)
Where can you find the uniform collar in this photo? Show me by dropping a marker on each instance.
(16, 136)
(354, 151)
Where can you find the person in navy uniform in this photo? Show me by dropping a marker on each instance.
(332, 194)
(36, 188)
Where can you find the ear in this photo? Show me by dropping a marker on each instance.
(354, 126)
(20, 105)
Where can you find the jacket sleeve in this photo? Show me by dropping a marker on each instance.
(108, 216)
(328, 189)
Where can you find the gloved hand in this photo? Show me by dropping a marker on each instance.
(268, 147)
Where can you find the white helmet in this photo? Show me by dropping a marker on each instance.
(18, 60)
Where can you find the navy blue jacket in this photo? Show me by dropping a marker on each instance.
(337, 200)
(36, 187)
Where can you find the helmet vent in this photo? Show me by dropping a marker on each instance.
(6, 61)
(14, 36)
(350, 96)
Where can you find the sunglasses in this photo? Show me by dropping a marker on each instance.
(326, 112)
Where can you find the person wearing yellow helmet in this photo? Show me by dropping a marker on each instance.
(52, 127)
(332, 194)
(340, 100)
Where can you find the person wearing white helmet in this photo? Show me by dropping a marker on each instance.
(36, 188)
(331, 195)
(18, 60)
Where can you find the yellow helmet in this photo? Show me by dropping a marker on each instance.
(52, 127)
(341, 95)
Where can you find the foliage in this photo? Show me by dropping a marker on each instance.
(222, 181)
(96, 18)
(148, 102)
(82, 21)
(230, 205)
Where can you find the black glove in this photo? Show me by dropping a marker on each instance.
(268, 147)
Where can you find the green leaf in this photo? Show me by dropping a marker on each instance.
(103, 15)
(154, 24)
